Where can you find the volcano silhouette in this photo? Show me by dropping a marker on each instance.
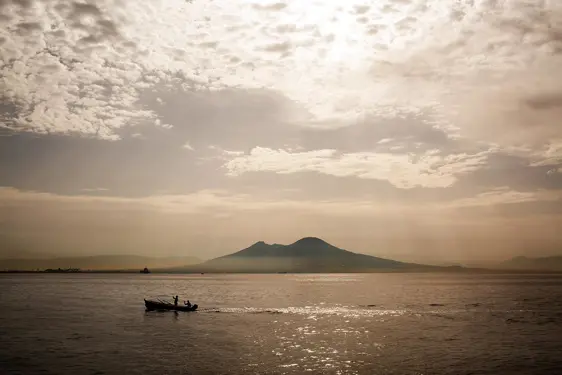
(309, 254)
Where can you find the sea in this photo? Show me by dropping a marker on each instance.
(399, 323)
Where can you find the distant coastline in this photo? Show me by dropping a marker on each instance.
(309, 255)
(448, 270)
(66, 272)
(117, 262)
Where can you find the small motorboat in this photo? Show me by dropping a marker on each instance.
(160, 305)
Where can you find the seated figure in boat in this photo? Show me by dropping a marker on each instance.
(187, 303)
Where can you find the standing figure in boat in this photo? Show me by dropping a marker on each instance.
(176, 300)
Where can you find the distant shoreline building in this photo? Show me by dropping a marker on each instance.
(62, 270)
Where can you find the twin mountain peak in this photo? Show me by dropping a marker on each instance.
(309, 254)
(307, 246)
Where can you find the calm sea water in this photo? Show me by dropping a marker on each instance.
(282, 324)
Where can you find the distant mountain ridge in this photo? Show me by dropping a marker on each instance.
(551, 263)
(98, 262)
(309, 254)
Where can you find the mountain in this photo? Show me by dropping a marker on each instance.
(552, 263)
(308, 254)
(97, 262)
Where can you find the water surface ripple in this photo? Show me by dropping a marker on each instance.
(282, 324)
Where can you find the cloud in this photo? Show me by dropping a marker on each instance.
(226, 117)
(306, 103)
(270, 7)
(282, 47)
(202, 201)
(495, 65)
(94, 189)
(152, 159)
(403, 171)
(64, 68)
(504, 195)
(222, 201)
(405, 134)
(553, 171)
(549, 155)
(451, 61)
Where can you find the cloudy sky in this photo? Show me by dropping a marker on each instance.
(424, 130)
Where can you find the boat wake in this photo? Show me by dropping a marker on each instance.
(435, 310)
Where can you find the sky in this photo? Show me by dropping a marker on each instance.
(420, 130)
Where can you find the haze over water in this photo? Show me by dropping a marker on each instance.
(282, 324)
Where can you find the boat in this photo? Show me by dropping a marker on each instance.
(159, 305)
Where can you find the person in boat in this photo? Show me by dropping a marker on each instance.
(176, 300)
(187, 303)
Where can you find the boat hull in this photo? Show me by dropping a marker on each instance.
(162, 306)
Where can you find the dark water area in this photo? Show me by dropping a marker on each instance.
(282, 324)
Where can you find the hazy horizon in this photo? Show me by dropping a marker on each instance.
(417, 131)
(405, 256)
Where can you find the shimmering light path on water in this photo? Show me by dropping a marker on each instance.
(282, 324)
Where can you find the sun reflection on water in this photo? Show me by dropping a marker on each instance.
(323, 344)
